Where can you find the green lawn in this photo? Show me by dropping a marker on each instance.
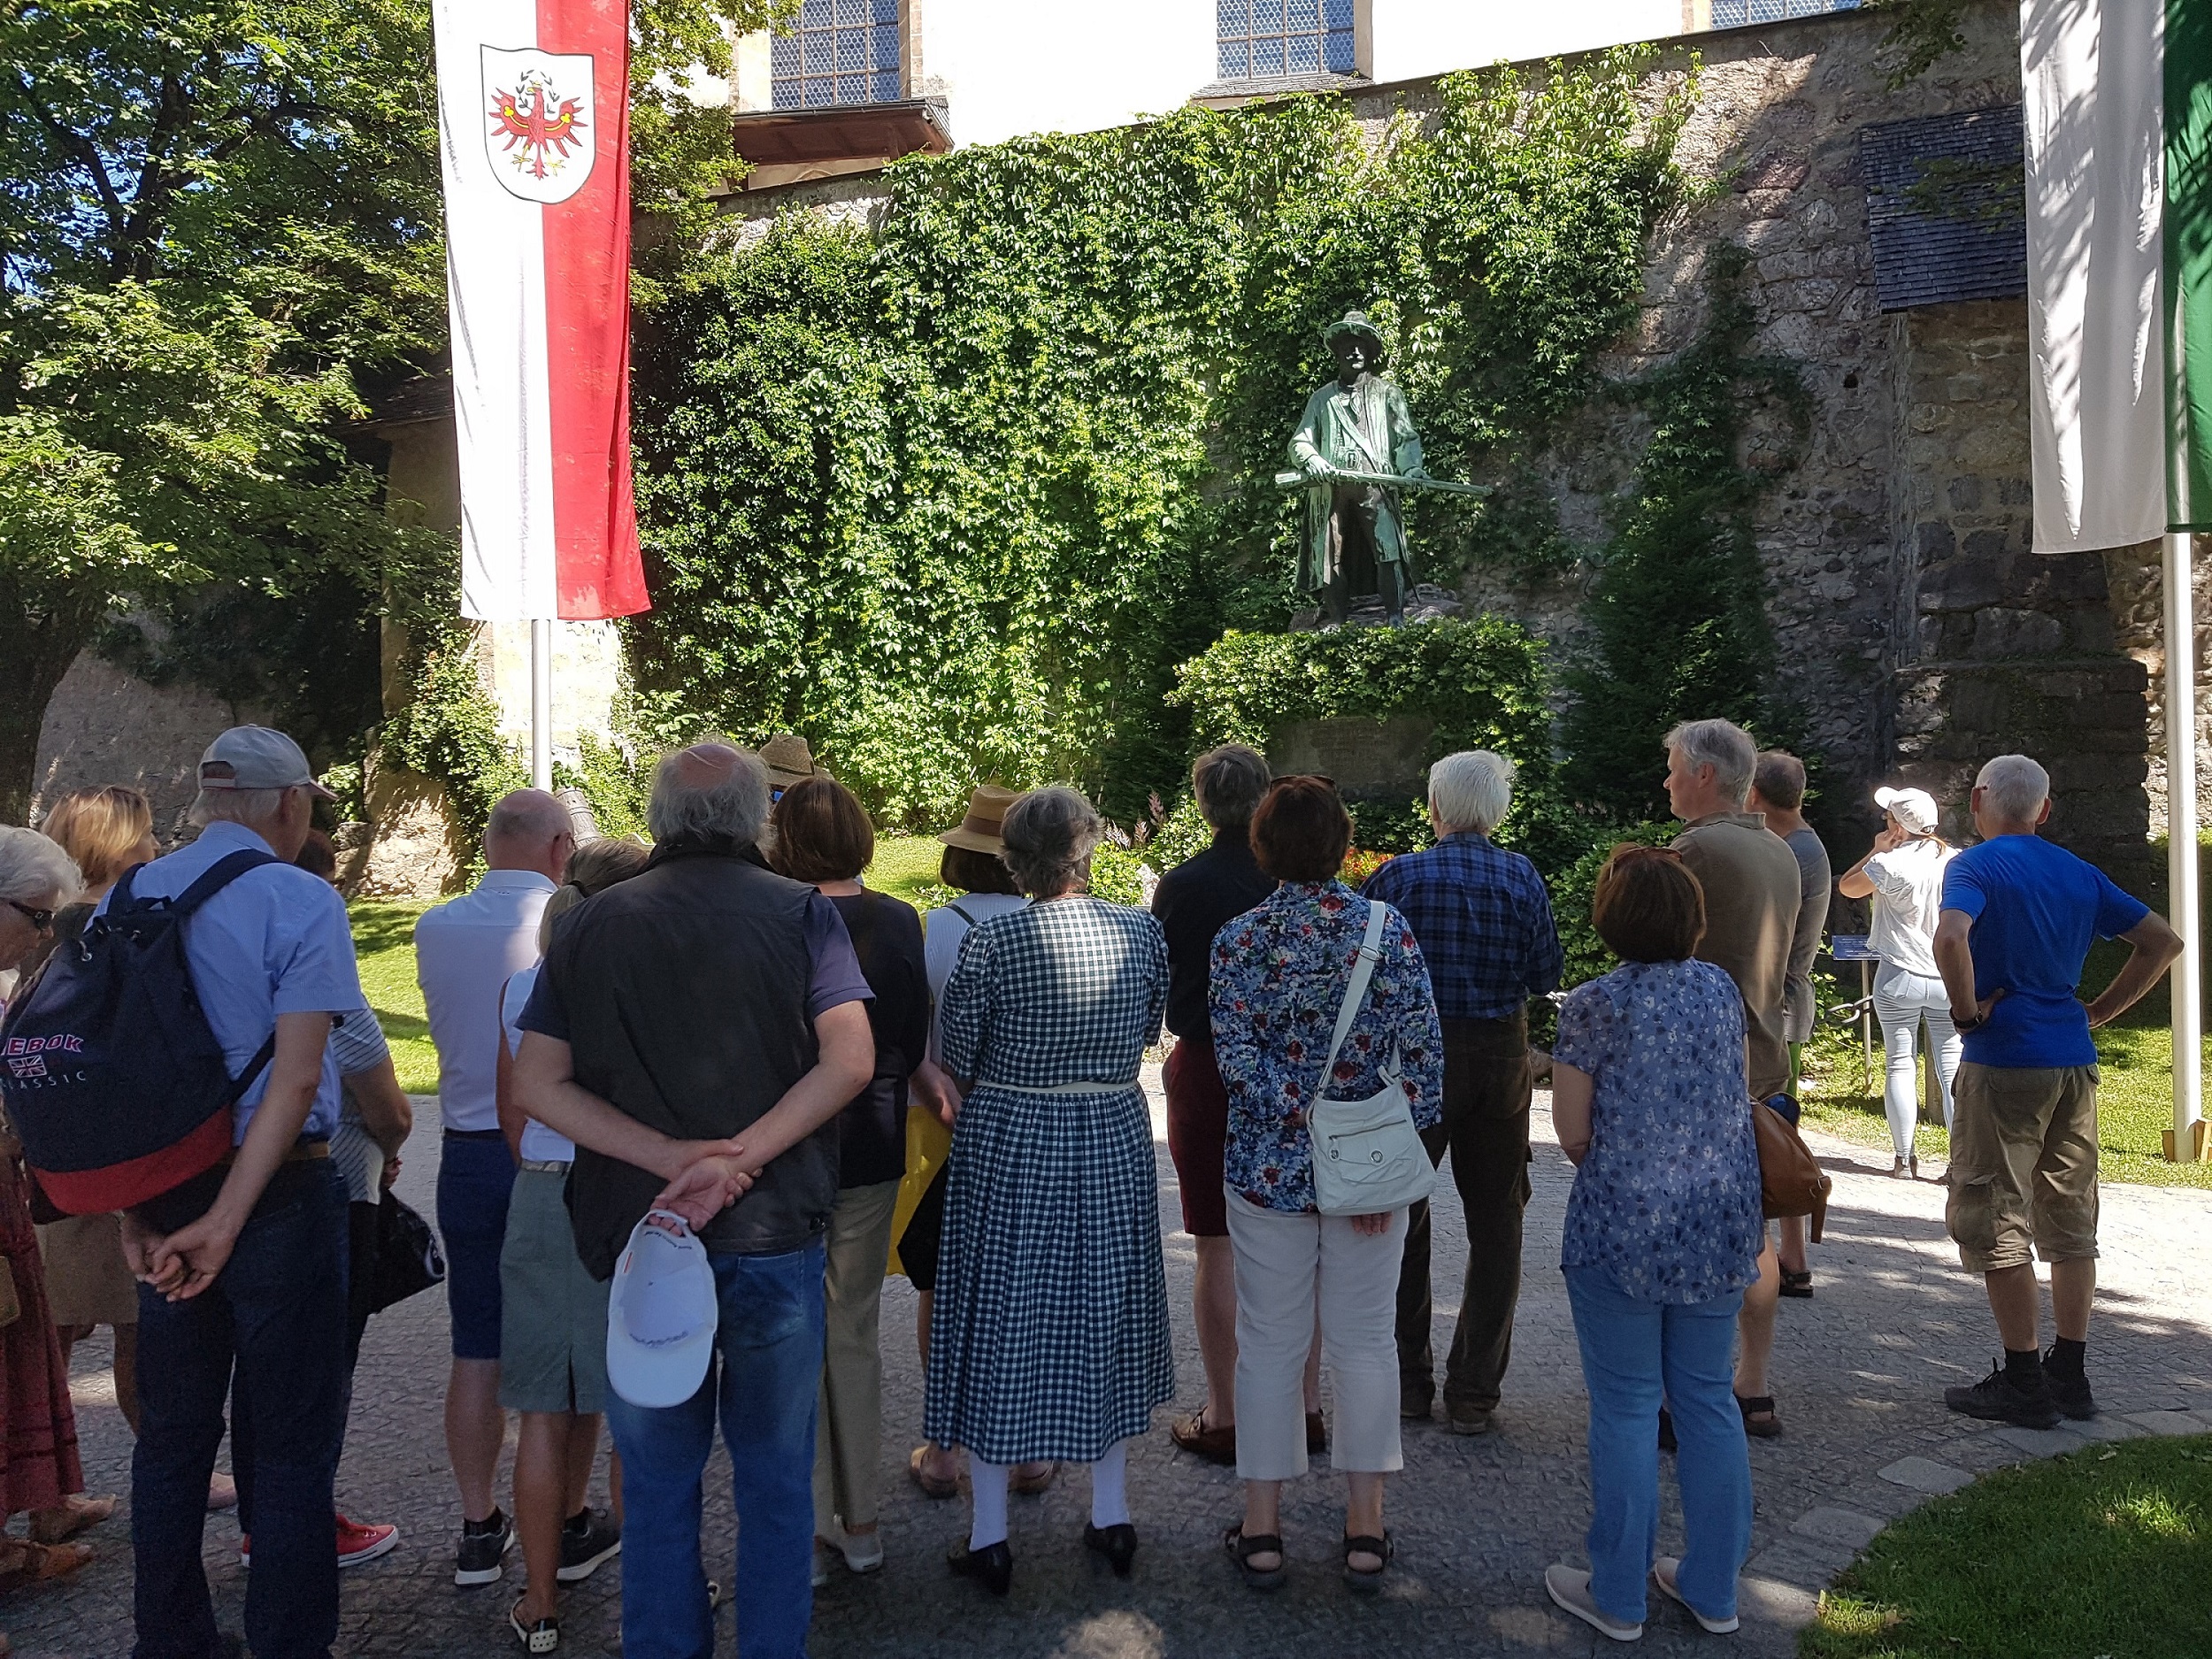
(384, 939)
(2135, 1098)
(2105, 1553)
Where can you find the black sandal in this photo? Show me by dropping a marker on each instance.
(1370, 1581)
(1242, 1550)
(1759, 1406)
(1797, 1284)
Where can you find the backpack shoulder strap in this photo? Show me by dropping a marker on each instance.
(218, 876)
(1355, 992)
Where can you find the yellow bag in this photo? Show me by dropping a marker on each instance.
(929, 1144)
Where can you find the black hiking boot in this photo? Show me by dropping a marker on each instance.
(2000, 1398)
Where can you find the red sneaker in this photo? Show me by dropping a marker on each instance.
(357, 1543)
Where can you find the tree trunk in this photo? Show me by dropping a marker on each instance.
(42, 627)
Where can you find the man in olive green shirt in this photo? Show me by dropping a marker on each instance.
(1753, 889)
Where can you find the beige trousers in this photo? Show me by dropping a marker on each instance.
(1281, 1260)
(848, 1426)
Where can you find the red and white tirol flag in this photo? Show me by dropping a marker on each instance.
(533, 120)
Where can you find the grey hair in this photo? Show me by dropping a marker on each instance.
(35, 871)
(236, 806)
(1470, 790)
(735, 806)
(1724, 746)
(1229, 782)
(1050, 837)
(2017, 787)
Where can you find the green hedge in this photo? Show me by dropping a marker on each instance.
(1481, 680)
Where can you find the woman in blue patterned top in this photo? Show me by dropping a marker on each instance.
(1651, 1103)
(1049, 1335)
(1280, 972)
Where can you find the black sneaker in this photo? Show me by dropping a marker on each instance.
(1997, 1398)
(587, 1539)
(2069, 1389)
(483, 1553)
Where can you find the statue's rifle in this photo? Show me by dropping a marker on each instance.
(1388, 480)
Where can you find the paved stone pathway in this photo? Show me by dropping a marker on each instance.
(1859, 1371)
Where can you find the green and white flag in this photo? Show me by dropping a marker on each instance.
(2118, 106)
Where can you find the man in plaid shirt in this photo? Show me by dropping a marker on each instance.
(1484, 922)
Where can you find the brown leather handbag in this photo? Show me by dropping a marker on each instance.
(1791, 1180)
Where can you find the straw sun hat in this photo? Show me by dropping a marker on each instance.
(789, 760)
(984, 829)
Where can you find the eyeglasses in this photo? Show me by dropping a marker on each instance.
(40, 919)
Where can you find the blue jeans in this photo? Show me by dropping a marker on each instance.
(768, 1349)
(276, 1313)
(1635, 1355)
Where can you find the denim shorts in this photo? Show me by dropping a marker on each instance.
(476, 1178)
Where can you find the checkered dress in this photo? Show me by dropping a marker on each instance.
(1051, 1335)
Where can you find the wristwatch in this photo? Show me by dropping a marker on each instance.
(1971, 1022)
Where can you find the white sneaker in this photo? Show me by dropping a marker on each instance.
(821, 1567)
(1666, 1573)
(862, 1552)
(1569, 1587)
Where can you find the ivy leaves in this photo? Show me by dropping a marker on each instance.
(955, 495)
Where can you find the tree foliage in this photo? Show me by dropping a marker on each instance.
(954, 495)
(219, 230)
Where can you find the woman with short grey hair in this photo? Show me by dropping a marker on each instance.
(1050, 1339)
(1470, 791)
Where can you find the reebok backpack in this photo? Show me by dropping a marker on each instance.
(109, 1071)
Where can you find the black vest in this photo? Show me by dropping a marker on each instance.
(684, 990)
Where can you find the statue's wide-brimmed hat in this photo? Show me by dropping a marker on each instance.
(984, 829)
(1355, 323)
(789, 760)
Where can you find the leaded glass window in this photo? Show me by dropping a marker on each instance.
(837, 52)
(1262, 38)
(1728, 14)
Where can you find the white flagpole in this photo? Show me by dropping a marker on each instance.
(2186, 986)
(541, 704)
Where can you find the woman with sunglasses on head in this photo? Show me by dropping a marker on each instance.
(40, 1469)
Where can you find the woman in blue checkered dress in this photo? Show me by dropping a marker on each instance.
(1050, 1332)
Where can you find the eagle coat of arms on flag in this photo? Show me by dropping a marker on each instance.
(539, 121)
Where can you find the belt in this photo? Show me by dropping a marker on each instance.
(545, 1166)
(302, 1152)
(1063, 1088)
(475, 1134)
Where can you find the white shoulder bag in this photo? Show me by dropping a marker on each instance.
(1368, 1158)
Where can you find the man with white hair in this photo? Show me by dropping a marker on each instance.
(2018, 917)
(465, 950)
(242, 1272)
(696, 1031)
(1484, 922)
(1753, 893)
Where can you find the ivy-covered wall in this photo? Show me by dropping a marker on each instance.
(955, 494)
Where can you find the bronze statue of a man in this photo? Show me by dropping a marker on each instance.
(1354, 540)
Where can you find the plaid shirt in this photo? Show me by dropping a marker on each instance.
(1484, 922)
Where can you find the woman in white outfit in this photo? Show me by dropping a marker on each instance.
(1903, 875)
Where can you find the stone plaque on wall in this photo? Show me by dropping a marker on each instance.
(1365, 756)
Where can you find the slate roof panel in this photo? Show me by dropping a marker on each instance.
(1946, 208)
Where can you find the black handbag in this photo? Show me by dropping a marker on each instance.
(408, 1261)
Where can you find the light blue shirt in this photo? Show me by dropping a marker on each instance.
(540, 1144)
(466, 951)
(274, 941)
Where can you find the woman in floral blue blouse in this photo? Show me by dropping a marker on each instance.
(1664, 1231)
(1280, 972)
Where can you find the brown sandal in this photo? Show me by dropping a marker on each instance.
(41, 1564)
(1031, 1485)
(82, 1512)
(932, 1485)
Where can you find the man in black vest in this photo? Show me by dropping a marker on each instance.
(695, 1030)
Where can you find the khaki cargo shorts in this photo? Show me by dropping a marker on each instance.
(2024, 1165)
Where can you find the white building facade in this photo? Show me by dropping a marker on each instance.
(997, 69)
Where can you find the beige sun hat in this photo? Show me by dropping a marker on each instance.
(984, 829)
(789, 760)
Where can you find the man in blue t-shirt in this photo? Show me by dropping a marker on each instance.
(2018, 917)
